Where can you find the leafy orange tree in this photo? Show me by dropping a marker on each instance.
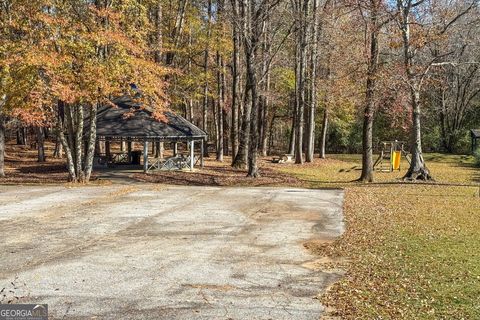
(77, 55)
(20, 29)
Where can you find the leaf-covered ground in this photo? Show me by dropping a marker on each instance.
(21, 166)
(410, 250)
(413, 250)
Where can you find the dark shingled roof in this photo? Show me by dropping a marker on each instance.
(113, 122)
(475, 133)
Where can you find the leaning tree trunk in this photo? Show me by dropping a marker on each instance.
(2, 146)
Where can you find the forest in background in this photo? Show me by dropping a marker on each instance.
(259, 76)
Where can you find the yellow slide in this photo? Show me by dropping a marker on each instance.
(396, 155)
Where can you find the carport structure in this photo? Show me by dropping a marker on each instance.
(130, 121)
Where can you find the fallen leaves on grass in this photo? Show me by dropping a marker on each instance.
(412, 249)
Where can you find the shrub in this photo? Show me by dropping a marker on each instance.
(476, 155)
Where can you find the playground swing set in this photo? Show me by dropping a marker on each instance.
(390, 155)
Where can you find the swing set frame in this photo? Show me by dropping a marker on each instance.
(387, 150)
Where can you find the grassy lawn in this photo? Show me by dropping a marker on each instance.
(413, 250)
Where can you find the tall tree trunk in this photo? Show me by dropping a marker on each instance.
(250, 56)
(313, 85)
(92, 137)
(220, 88)
(63, 112)
(225, 124)
(205, 71)
(215, 121)
(177, 31)
(253, 144)
(270, 132)
(70, 133)
(2, 145)
(226, 131)
(190, 110)
(40, 144)
(263, 114)
(291, 145)
(235, 82)
(417, 169)
(22, 136)
(79, 143)
(443, 118)
(263, 98)
(220, 108)
(19, 136)
(323, 137)
(58, 151)
(302, 31)
(443, 126)
(79, 159)
(264, 123)
(240, 161)
(367, 143)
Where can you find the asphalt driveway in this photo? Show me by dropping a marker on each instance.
(163, 252)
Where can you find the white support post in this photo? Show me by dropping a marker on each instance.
(175, 149)
(192, 155)
(145, 155)
(201, 152)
